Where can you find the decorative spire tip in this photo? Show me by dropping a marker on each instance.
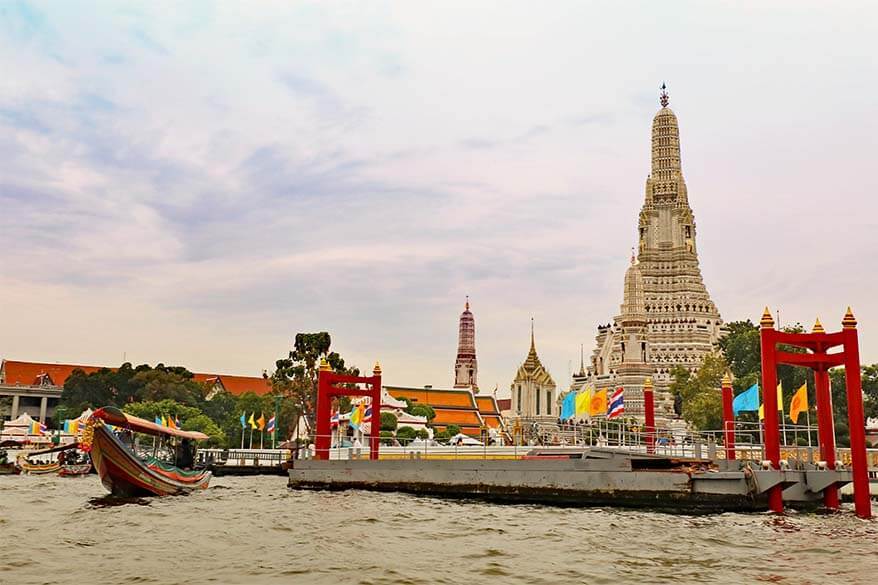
(818, 327)
(467, 302)
(664, 99)
(849, 321)
(767, 320)
(727, 380)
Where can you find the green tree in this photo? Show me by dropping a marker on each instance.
(452, 430)
(167, 384)
(405, 434)
(295, 376)
(424, 410)
(388, 421)
(700, 392)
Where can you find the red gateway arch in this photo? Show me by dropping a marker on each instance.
(818, 343)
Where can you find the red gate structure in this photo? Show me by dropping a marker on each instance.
(328, 388)
(818, 342)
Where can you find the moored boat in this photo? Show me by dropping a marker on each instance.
(37, 468)
(124, 473)
(74, 469)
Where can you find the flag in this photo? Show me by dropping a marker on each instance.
(799, 403)
(252, 422)
(271, 424)
(779, 402)
(164, 421)
(37, 428)
(617, 403)
(243, 420)
(598, 403)
(357, 415)
(746, 401)
(171, 423)
(583, 399)
(177, 421)
(67, 426)
(568, 406)
(74, 426)
(157, 420)
(261, 421)
(333, 420)
(367, 415)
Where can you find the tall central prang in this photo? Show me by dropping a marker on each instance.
(667, 317)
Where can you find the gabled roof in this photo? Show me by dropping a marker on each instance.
(436, 397)
(237, 385)
(33, 373)
(532, 368)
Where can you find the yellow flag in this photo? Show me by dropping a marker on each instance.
(261, 421)
(779, 402)
(799, 403)
(251, 421)
(582, 400)
(598, 403)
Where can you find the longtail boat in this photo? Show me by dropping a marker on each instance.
(74, 469)
(126, 474)
(37, 468)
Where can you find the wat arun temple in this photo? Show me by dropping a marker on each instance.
(667, 317)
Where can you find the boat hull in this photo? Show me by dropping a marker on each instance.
(38, 468)
(9, 469)
(124, 474)
(75, 470)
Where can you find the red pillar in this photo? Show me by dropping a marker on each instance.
(728, 418)
(375, 426)
(826, 431)
(649, 415)
(856, 418)
(322, 440)
(769, 398)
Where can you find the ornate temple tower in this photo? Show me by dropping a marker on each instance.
(667, 316)
(533, 390)
(465, 367)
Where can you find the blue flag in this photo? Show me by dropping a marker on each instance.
(747, 401)
(568, 406)
(243, 421)
(157, 420)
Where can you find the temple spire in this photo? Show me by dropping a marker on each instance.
(664, 99)
(533, 346)
(465, 366)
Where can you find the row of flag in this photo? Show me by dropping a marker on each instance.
(167, 421)
(38, 428)
(593, 402)
(260, 423)
(748, 401)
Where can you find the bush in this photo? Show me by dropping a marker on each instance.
(386, 438)
(452, 430)
(422, 434)
(422, 410)
(405, 434)
(388, 421)
(441, 436)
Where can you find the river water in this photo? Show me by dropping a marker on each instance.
(255, 530)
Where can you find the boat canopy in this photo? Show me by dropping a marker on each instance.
(117, 418)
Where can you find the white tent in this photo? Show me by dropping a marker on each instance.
(20, 426)
(461, 439)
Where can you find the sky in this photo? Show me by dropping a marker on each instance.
(194, 183)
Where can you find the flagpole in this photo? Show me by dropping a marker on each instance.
(261, 436)
(242, 437)
(251, 438)
(808, 420)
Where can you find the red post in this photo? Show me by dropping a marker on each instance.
(728, 418)
(322, 440)
(769, 398)
(649, 415)
(826, 431)
(856, 418)
(375, 424)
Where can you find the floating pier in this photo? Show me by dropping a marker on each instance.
(582, 477)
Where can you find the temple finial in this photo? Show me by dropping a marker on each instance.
(727, 380)
(767, 321)
(818, 327)
(467, 302)
(849, 321)
(663, 99)
(533, 345)
(633, 256)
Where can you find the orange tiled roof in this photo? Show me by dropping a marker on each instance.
(487, 405)
(28, 373)
(456, 417)
(435, 397)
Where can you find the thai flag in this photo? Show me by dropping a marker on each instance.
(617, 404)
(367, 416)
(271, 423)
(333, 421)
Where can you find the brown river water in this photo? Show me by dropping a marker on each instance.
(255, 530)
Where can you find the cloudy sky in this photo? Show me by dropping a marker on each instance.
(194, 182)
